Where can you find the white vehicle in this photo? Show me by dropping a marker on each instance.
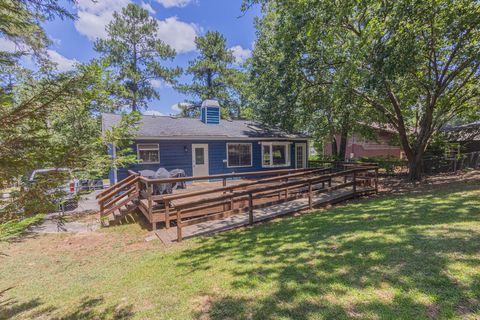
(69, 190)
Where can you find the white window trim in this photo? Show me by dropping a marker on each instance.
(251, 154)
(288, 155)
(148, 144)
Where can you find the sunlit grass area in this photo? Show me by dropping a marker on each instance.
(413, 256)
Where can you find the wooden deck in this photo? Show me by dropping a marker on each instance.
(169, 236)
(211, 204)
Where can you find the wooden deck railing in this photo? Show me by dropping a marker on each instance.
(118, 195)
(298, 188)
(272, 187)
(190, 208)
(148, 184)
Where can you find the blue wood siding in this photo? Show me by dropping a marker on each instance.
(177, 154)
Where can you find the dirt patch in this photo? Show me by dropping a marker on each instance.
(85, 216)
(82, 245)
(202, 305)
(396, 185)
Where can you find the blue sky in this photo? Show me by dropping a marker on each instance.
(179, 22)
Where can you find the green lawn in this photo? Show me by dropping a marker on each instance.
(399, 257)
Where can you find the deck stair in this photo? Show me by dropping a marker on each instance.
(120, 201)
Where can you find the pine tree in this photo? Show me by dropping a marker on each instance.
(134, 51)
(212, 72)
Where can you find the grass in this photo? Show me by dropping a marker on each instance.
(413, 256)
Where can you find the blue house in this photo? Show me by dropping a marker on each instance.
(210, 145)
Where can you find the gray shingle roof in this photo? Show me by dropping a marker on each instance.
(172, 127)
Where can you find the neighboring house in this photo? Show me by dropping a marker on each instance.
(211, 145)
(467, 136)
(359, 146)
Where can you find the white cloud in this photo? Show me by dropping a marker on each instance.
(178, 34)
(241, 54)
(148, 7)
(9, 46)
(153, 113)
(156, 83)
(93, 16)
(174, 3)
(177, 107)
(63, 64)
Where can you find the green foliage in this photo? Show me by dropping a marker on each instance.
(14, 228)
(415, 65)
(213, 76)
(20, 22)
(291, 90)
(134, 51)
(54, 122)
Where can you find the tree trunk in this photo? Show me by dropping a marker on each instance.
(343, 147)
(343, 137)
(415, 169)
(334, 147)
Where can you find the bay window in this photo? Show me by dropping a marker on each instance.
(239, 155)
(275, 154)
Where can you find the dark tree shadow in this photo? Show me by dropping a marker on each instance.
(89, 308)
(406, 244)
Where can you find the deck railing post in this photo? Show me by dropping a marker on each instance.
(354, 183)
(167, 213)
(286, 190)
(179, 225)
(231, 199)
(250, 209)
(310, 202)
(150, 205)
(102, 209)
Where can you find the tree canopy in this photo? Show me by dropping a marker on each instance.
(415, 65)
(134, 51)
(213, 76)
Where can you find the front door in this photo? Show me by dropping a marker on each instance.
(200, 159)
(300, 155)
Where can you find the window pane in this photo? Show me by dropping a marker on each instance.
(239, 155)
(299, 156)
(266, 155)
(199, 156)
(245, 155)
(148, 155)
(279, 154)
(233, 159)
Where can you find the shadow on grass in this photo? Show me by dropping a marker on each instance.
(392, 257)
(89, 308)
